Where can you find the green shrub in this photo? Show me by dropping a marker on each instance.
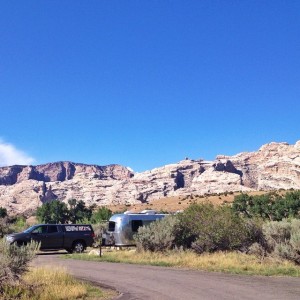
(157, 236)
(277, 232)
(283, 239)
(14, 262)
(206, 228)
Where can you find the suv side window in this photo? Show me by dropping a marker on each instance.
(40, 229)
(52, 229)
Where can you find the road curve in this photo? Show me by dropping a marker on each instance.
(149, 282)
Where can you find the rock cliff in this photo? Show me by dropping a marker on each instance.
(273, 166)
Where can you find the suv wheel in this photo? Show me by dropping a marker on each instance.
(78, 247)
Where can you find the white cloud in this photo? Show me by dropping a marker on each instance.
(10, 155)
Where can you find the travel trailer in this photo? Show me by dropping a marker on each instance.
(122, 227)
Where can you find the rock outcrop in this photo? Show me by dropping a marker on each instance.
(273, 166)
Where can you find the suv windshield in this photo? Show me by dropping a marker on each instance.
(28, 230)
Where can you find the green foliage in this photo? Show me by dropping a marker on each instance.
(19, 224)
(206, 228)
(271, 206)
(14, 262)
(78, 211)
(3, 212)
(157, 236)
(101, 215)
(53, 212)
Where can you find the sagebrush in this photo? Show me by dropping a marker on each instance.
(14, 261)
(158, 236)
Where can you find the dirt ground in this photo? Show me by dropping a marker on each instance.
(173, 204)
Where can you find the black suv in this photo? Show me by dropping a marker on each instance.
(71, 237)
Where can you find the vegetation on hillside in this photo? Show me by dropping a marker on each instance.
(271, 206)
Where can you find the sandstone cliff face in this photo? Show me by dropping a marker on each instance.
(273, 166)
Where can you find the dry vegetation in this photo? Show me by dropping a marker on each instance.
(54, 284)
(228, 262)
(173, 204)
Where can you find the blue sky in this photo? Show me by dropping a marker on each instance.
(146, 83)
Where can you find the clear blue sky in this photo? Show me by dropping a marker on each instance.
(147, 83)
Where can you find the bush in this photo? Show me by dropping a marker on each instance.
(99, 229)
(157, 236)
(283, 239)
(206, 228)
(14, 262)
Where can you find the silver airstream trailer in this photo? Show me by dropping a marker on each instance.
(122, 227)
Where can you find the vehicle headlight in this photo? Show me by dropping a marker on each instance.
(9, 239)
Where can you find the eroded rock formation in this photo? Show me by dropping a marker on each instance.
(273, 166)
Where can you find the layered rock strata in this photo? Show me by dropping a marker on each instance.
(273, 166)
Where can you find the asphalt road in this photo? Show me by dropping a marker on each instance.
(148, 282)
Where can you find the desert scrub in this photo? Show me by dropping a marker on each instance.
(14, 262)
(283, 239)
(227, 262)
(158, 236)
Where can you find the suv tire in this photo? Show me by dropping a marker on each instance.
(78, 247)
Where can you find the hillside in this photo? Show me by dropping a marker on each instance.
(273, 166)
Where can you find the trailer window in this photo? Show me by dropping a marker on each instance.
(135, 224)
(111, 226)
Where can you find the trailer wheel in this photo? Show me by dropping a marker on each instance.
(78, 247)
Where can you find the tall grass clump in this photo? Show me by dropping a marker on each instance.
(158, 236)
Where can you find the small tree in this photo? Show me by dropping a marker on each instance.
(101, 215)
(53, 212)
(78, 211)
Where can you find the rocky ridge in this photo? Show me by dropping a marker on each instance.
(273, 166)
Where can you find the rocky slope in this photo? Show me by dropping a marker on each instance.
(273, 166)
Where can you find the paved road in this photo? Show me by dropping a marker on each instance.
(148, 282)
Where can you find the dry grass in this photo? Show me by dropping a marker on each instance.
(54, 284)
(228, 262)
